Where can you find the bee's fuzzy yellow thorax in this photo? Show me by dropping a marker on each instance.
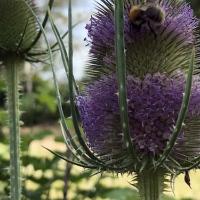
(134, 12)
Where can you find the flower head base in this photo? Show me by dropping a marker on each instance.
(145, 53)
(153, 106)
(18, 27)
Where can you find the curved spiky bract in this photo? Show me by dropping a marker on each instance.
(145, 53)
(182, 113)
(18, 27)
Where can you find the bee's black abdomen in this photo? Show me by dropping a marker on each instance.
(155, 14)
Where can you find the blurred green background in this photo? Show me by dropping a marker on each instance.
(44, 175)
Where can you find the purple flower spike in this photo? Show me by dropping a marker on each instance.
(148, 50)
(153, 107)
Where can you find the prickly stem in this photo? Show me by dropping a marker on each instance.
(12, 67)
(150, 184)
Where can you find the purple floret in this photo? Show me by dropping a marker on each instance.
(153, 106)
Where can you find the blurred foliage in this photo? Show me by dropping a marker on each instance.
(39, 104)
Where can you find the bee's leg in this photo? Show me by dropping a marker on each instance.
(152, 30)
(136, 27)
(131, 27)
(140, 25)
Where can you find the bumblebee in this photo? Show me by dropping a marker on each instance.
(150, 15)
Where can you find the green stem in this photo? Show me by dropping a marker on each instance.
(12, 79)
(121, 75)
(150, 184)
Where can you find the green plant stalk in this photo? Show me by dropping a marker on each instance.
(12, 66)
(121, 75)
(150, 184)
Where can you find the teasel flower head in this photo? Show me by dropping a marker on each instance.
(157, 59)
(18, 27)
(159, 68)
(19, 30)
